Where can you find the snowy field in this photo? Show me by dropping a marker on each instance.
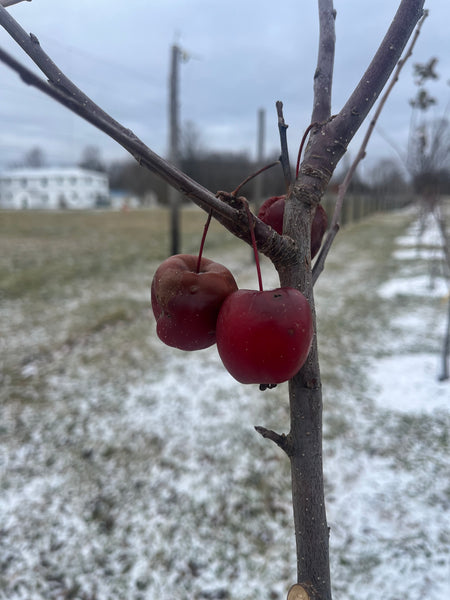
(130, 470)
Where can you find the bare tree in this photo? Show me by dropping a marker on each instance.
(428, 161)
(91, 159)
(290, 253)
(34, 158)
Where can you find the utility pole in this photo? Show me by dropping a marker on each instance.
(174, 147)
(260, 156)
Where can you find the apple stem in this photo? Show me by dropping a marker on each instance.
(250, 177)
(302, 143)
(202, 243)
(255, 250)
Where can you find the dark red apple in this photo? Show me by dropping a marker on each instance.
(264, 337)
(186, 303)
(272, 213)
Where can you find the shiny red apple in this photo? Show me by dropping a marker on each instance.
(264, 336)
(186, 302)
(272, 213)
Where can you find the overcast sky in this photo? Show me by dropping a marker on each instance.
(244, 55)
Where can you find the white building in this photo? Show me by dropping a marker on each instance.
(54, 188)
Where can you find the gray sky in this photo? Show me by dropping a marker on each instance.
(245, 55)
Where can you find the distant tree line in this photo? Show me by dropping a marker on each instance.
(428, 167)
(214, 170)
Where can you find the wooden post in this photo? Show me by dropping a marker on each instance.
(260, 157)
(174, 149)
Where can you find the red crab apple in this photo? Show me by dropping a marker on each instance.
(264, 336)
(272, 213)
(186, 302)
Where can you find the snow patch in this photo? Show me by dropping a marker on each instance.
(416, 254)
(417, 286)
(410, 383)
(424, 232)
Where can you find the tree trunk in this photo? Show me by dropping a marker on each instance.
(304, 441)
(310, 522)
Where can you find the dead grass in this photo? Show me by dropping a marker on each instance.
(114, 447)
(42, 252)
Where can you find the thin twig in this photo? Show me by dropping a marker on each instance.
(280, 440)
(343, 187)
(323, 77)
(202, 242)
(371, 84)
(30, 44)
(255, 249)
(284, 158)
(61, 89)
(253, 175)
(124, 137)
(7, 3)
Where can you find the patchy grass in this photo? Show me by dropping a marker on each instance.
(132, 470)
(41, 253)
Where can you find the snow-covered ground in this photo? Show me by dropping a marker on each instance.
(132, 471)
(389, 509)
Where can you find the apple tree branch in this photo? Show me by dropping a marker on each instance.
(334, 225)
(7, 3)
(323, 77)
(63, 90)
(327, 144)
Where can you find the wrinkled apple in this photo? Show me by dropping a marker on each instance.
(186, 303)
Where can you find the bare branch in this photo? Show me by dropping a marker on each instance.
(284, 158)
(30, 44)
(350, 118)
(334, 225)
(125, 138)
(6, 3)
(280, 440)
(253, 175)
(329, 142)
(323, 77)
(62, 89)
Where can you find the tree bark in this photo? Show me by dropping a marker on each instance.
(304, 441)
(329, 141)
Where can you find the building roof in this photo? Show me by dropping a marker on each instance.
(50, 172)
